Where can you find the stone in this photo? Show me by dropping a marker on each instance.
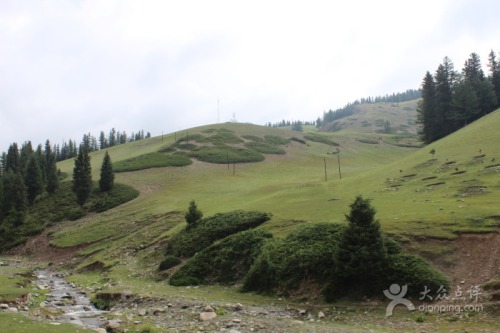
(12, 310)
(204, 316)
(113, 325)
(142, 312)
(238, 307)
(302, 312)
(4, 306)
(208, 308)
(157, 311)
(100, 330)
(321, 314)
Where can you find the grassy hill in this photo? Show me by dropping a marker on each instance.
(414, 192)
(419, 196)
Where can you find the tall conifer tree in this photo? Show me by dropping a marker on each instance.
(426, 110)
(494, 67)
(82, 177)
(106, 182)
(33, 180)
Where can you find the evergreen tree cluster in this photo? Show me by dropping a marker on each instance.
(349, 108)
(70, 149)
(451, 100)
(25, 174)
(296, 125)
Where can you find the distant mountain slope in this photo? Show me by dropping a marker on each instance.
(372, 118)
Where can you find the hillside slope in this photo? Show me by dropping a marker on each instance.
(372, 117)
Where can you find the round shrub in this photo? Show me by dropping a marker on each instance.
(169, 262)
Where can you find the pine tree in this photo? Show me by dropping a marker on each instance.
(103, 142)
(193, 214)
(24, 156)
(362, 256)
(106, 182)
(15, 204)
(494, 67)
(426, 110)
(465, 103)
(444, 78)
(2, 212)
(33, 180)
(12, 158)
(52, 177)
(82, 177)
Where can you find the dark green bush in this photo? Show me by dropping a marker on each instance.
(169, 262)
(120, 194)
(307, 254)
(151, 160)
(192, 137)
(264, 148)
(298, 140)
(223, 137)
(225, 262)
(276, 140)
(208, 230)
(186, 146)
(415, 272)
(321, 139)
(224, 154)
(252, 138)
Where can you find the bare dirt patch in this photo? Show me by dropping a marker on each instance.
(476, 259)
(39, 249)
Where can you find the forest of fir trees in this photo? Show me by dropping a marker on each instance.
(27, 172)
(451, 99)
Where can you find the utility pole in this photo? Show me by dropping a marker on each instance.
(326, 177)
(338, 159)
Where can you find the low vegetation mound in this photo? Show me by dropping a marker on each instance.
(354, 262)
(265, 148)
(226, 154)
(306, 255)
(208, 230)
(151, 160)
(321, 139)
(224, 262)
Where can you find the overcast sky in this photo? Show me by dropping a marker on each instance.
(72, 67)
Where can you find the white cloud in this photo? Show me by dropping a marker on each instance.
(67, 68)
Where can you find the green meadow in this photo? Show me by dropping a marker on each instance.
(415, 193)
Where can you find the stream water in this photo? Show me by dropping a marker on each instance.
(75, 305)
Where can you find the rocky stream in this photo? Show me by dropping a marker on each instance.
(68, 302)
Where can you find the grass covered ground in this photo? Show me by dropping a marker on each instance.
(416, 194)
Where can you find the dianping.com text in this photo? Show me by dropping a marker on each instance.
(454, 308)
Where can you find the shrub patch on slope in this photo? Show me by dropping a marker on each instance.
(208, 230)
(224, 262)
(151, 160)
